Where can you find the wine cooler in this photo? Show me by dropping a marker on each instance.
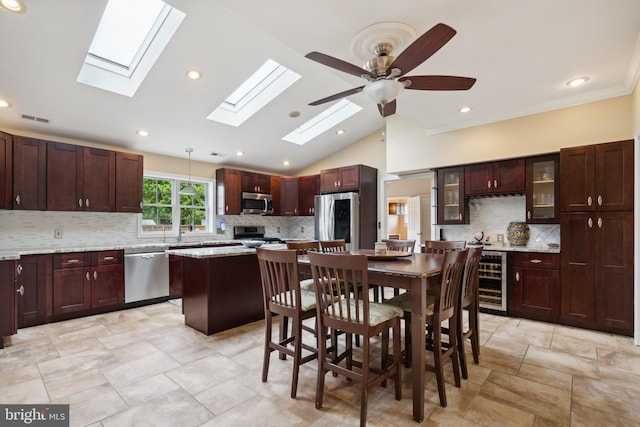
(493, 281)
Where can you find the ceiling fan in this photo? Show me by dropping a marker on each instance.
(385, 74)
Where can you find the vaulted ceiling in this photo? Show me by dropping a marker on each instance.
(521, 53)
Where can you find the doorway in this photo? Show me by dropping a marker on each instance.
(408, 209)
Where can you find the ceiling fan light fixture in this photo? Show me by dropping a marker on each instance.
(383, 91)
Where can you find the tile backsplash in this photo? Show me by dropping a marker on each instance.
(492, 215)
(35, 229)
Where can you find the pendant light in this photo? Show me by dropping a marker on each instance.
(189, 190)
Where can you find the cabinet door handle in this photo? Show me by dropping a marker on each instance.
(517, 276)
(108, 258)
(80, 202)
(600, 222)
(590, 222)
(460, 216)
(226, 208)
(495, 183)
(535, 261)
(73, 261)
(95, 275)
(17, 199)
(87, 276)
(19, 269)
(599, 200)
(489, 184)
(20, 290)
(589, 201)
(86, 203)
(528, 214)
(140, 205)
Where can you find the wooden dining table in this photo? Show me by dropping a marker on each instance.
(416, 273)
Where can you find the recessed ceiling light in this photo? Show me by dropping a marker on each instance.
(286, 163)
(142, 132)
(339, 131)
(294, 114)
(194, 74)
(577, 82)
(239, 153)
(465, 109)
(4, 103)
(15, 6)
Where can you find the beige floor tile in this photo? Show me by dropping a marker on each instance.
(512, 347)
(174, 408)
(31, 391)
(488, 412)
(74, 383)
(257, 411)
(18, 375)
(138, 369)
(569, 363)
(500, 360)
(67, 366)
(629, 362)
(544, 375)
(146, 390)
(67, 347)
(597, 339)
(608, 396)
(529, 396)
(442, 418)
(93, 405)
(585, 416)
(526, 333)
(573, 345)
(205, 373)
(225, 395)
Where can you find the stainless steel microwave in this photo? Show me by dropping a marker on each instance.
(257, 203)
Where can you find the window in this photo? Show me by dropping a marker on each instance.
(164, 207)
(324, 121)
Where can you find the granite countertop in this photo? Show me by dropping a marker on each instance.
(220, 252)
(533, 248)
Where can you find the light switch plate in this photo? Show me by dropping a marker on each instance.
(57, 233)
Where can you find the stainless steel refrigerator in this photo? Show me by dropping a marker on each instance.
(337, 216)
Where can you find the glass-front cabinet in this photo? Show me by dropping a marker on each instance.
(543, 179)
(452, 208)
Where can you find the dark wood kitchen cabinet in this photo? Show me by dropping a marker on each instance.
(29, 173)
(80, 178)
(85, 280)
(597, 177)
(129, 181)
(534, 286)
(343, 179)
(6, 171)
(289, 196)
(452, 208)
(597, 270)
(8, 317)
(543, 189)
(276, 195)
(34, 284)
(252, 182)
(308, 188)
(493, 178)
(228, 191)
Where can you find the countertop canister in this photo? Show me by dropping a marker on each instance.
(518, 233)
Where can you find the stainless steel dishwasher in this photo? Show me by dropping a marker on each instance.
(146, 276)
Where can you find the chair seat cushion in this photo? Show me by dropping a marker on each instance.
(307, 285)
(404, 302)
(378, 312)
(307, 299)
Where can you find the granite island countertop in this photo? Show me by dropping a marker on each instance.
(220, 252)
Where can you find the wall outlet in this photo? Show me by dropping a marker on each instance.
(57, 233)
(500, 238)
(278, 230)
(302, 229)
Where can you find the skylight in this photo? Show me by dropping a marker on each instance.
(262, 87)
(330, 117)
(129, 39)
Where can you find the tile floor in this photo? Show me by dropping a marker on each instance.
(144, 367)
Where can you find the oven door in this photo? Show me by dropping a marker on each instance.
(256, 203)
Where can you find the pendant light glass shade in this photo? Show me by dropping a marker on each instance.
(189, 190)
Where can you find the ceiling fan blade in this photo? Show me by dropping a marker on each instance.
(439, 82)
(338, 64)
(422, 48)
(337, 96)
(387, 109)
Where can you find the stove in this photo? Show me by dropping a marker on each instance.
(253, 232)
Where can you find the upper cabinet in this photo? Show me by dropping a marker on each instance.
(6, 170)
(129, 180)
(308, 187)
(289, 196)
(597, 177)
(228, 191)
(255, 182)
(346, 178)
(543, 189)
(452, 208)
(276, 197)
(29, 173)
(80, 178)
(501, 177)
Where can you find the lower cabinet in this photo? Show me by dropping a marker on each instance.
(8, 324)
(175, 276)
(534, 285)
(86, 280)
(33, 283)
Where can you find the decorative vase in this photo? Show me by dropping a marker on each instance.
(518, 233)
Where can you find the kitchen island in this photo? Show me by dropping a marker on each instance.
(221, 287)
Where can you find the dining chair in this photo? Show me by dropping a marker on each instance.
(442, 246)
(394, 245)
(283, 296)
(343, 306)
(441, 306)
(469, 301)
(338, 245)
(301, 248)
